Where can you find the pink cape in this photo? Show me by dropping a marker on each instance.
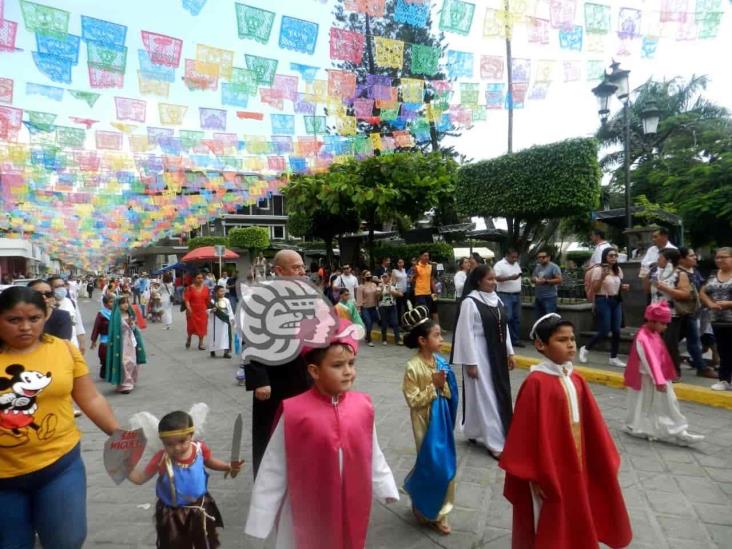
(659, 361)
(330, 509)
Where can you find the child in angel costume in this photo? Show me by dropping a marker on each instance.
(561, 462)
(653, 411)
(125, 349)
(100, 333)
(220, 323)
(431, 392)
(323, 463)
(186, 516)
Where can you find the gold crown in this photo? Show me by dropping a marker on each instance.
(415, 316)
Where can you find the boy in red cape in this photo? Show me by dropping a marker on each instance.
(323, 463)
(561, 463)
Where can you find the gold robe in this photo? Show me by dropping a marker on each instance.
(419, 391)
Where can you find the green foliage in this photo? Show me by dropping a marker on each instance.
(545, 181)
(249, 238)
(201, 241)
(686, 163)
(441, 252)
(578, 256)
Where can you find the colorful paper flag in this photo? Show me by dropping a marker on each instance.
(254, 23)
(456, 16)
(6, 90)
(298, 34)
(171, 115)
(389, 53)
(212, 119)
(130, 109)
(346, 45)
(162, 49)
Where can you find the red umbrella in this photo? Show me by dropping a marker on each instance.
(207, 253)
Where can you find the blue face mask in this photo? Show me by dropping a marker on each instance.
(59, 293)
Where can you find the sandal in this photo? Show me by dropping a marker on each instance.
(441, 526)
(201, 348)
(188, 343)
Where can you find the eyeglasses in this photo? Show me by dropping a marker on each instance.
(541, 257)
(47, 295)
(612, 255)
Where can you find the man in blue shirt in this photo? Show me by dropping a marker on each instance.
(547, 277)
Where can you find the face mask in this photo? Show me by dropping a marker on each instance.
(59, 293)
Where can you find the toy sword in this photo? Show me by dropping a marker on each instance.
(236, 441)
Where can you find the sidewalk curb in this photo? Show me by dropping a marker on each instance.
(684, 391)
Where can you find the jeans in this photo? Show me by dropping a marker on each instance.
(512, 304)
(50, 502)
(545, 305)
(389, 318)
(370, 316)
(401, 305)
(693, 341)
(609, 311)
(723, 335)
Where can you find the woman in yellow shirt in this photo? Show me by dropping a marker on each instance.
(42, 476)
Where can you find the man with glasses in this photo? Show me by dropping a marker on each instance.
(58, 285)
(58, 322)
(508, 276)
(347, 280)
(547, 277)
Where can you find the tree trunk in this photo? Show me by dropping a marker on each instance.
(329, 252)
(372, 222)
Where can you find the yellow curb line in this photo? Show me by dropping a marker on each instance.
(684, 391)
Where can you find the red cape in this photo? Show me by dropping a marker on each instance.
(330, 510)
(584, 504)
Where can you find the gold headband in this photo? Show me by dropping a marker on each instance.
(176, 432)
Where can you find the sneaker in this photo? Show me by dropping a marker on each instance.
(371, 343)
(583, 354)
(721, 386)
(77, 413)
(384, 342)
(687, 438)
(615, 361)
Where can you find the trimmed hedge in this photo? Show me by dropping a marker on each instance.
(545, 181)
(440, 252)
(249, 238)
(578, 256)
(201, 241)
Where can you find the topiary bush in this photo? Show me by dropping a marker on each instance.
(249, 238)
(201, 241)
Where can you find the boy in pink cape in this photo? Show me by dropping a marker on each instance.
(653, 411)
(323, 463)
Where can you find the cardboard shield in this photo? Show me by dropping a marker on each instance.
(122, 452)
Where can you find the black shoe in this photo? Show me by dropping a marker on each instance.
(227, 355)
(213, 355)
(519, 344)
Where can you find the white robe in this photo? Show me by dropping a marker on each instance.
(651, 413)
(269, 495)
(77, 323)
(167, 291)
(218, 330)
(481, 420)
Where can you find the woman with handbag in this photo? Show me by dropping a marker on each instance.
(673, 285)
(717, 296)
(691, 322)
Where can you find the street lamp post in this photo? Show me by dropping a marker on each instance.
(616, 83)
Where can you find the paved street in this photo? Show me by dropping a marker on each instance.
(677, 497)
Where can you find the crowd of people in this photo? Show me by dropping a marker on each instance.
(42, 372)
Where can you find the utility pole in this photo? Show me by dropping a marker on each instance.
(508, 30)
(370, 56)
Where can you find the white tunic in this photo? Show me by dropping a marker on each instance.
(269, 495)
(651, 413)
(218, 330)
(481, 420)
(167, 291)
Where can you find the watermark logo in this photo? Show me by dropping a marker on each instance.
(279, 317)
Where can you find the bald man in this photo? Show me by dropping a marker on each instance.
(273, 384)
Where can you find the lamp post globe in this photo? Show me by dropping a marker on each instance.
(650, 116)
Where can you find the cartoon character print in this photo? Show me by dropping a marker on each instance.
(18, 406)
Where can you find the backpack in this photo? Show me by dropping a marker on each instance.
(589, 291)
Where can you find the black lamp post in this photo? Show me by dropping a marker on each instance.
(616, 83)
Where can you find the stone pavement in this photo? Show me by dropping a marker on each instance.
(677, 497)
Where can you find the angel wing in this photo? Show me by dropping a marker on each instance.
(149, 425)
(199, 413)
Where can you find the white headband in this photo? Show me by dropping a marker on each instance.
(532, 333)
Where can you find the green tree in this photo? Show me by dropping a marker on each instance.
(201, 241)
(532, 189)
(320, 208)
(387, 27)
(253, 239)
(684, 162)
(402, 185)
